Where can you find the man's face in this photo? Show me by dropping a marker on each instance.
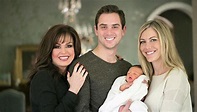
(109, 30)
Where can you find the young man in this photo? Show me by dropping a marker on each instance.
(102, 63)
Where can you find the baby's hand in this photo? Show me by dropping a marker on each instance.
(125, 86)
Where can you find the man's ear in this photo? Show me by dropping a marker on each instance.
(124, 30)
(95, 30)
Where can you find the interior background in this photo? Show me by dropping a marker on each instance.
(26, 21)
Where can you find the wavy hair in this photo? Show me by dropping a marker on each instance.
(50, 39)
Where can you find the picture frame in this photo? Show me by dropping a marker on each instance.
(5, 79)
(25, 56)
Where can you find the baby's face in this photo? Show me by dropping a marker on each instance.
(133, 73)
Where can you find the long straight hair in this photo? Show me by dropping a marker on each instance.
(169, 54)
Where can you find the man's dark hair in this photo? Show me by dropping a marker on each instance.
(110, 9)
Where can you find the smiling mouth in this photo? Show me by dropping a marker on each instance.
(63, 58)
(151, 52)
(110, 38)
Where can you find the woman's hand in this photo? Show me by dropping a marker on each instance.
(145, 82)
(77, 79)
(125, 108)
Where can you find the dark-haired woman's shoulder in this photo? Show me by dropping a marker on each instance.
(42, 77)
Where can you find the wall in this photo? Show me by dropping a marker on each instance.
(194, 5)
(25, 21)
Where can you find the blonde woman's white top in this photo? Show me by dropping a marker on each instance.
(169, 94)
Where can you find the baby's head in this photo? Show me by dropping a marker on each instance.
(134, 72)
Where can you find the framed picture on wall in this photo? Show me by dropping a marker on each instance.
(5, 79)
(25, 57)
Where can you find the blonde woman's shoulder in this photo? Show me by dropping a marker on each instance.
(178, 73)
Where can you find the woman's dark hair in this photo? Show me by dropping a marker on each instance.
(110, 9)
(50, 39)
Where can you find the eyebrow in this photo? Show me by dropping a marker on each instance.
(150, 38)
(116, 24)
(58, 43)
(102, 24)
(153, 37)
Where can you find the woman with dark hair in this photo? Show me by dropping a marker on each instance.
(52, 88)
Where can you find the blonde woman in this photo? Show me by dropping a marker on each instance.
(169, 87)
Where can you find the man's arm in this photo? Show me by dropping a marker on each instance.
(83, 104)
(84, 97)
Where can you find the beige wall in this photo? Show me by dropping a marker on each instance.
(194, 5)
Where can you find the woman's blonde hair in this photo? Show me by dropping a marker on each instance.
(169, 53)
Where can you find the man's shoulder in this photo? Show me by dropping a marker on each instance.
(125, 62)
(82, 59)
(86, 55)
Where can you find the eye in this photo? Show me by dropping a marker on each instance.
(142, 41)
(153, 39)
(69, 46)
(115, 26)
(57, 46)
(103, 26)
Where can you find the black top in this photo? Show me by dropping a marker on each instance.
(49, 94)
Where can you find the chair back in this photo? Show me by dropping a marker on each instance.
(12, 100)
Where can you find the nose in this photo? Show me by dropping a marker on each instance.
(109, 31)
(147, 45)
(63, 50)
